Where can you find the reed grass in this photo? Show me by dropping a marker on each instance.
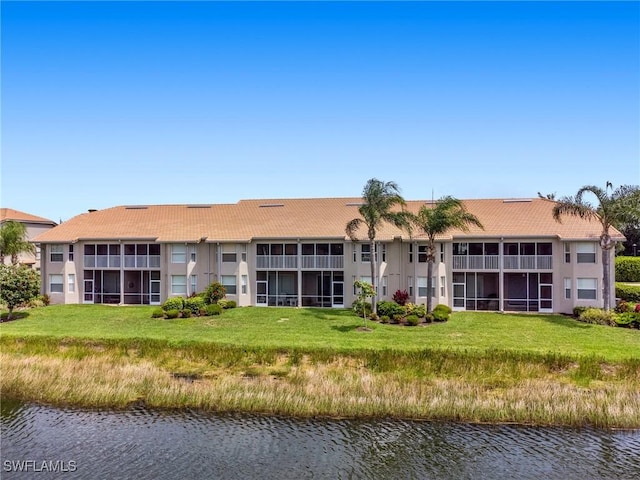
(493, 386)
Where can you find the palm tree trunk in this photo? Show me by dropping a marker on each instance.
(606, 278)
(429, 284)
(374, 280)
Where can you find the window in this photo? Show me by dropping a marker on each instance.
(460, 248)
(243, 284)
(71, 253)
(411, 253)
(56, 283)
(178, 254)
(442, 252)
(56, 254)
(384, 252)
(384, 286)
(229, 257)
(37, 252)
(567, 253)
(192, 253)
(193, 284)
(442, 285)
(433, 287)
(587, 288)
(179, 284)
(365, 252)
(243, 255)
(422, 286)
(229, 282)
(586, 252)
(71, 283)
(567, 288)
(422, 254)
(410, 283)
(355, 253)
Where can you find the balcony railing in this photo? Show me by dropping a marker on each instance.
(308, 262)
(115, 261)
(509, 262)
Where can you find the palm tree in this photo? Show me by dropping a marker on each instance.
(448, 213)
(379, 201)
(620, 207)
(13, 241)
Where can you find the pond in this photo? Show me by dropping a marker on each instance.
(137, 443)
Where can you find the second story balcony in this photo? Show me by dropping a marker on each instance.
(509, 262)
(305, 262)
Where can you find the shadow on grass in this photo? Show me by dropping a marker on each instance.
(15, 316)
(327, 313)
(345, 328)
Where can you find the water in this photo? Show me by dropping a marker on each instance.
(146, 444)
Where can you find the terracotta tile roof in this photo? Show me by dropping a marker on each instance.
(11, 214)
(302, 218)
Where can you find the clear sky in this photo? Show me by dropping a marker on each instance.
(115, 103)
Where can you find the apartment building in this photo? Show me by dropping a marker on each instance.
(294, 252)
(34, 225)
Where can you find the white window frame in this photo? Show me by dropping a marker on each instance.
(567, 252)
(58, 251)
(567, 288)
(587, 288)
(410, 284)
(584, 249)
(71, 283)
(192, 253)
(443, 281)
(179, 254)
(193, 284)
(230, 287)
(423, 250)
(442, 254)
(244, 281)
(179, 284)
(71, 253)
(384, 286)
(365, 256)
(434, 285)
(422, 286)
(56, 279)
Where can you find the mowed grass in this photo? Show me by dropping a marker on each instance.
(291, 328)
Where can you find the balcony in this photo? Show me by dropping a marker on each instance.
(509, 262)
(308, 262)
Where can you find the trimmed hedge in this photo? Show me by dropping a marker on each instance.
(174, 303)
(627, 269)
(628, 293)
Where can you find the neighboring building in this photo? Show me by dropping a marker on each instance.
(35, 226)
(294, 252)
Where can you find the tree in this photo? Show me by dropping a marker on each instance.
(365, 290)
(379, 201)
(620, 207)
(448, 213)
(13, 241)
(18, 285)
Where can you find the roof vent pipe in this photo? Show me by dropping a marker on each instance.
(91, 210)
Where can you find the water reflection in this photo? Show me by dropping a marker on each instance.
(143, 444)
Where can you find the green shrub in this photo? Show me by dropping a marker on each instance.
(397, 318)
(628, 269)
(441, 313)
(428, 318)
(214, 293)
(157, 313)
(629, 293)
(577, 310)
(412, 320)
(414, 309)
(628, 320)
(384, 319)
(597, 316)
(174, 303)
(172, 313)
(194, 304)
(213, 309)
(226, 304)
(186, 313)
(374, 317)
(46, 299)
(390, 308)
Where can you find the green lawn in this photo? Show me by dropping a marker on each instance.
(289, 328)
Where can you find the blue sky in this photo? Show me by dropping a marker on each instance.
(115, 103)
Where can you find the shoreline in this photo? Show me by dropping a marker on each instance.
(492, 387)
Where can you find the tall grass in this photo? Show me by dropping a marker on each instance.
(474, 386)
